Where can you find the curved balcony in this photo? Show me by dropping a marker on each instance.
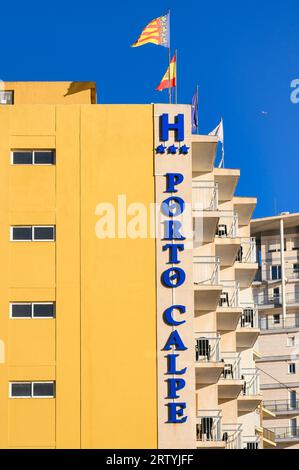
(247, 331)
(206, 282)
(230, 384)
(250, 397)
(208, 363)
(204, 210)
(209, 430)
(246, 264)
(228, 310)
(227, 245)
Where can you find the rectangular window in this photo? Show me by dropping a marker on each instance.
(32, 389)
(32, 310)
(276, 319)
(276, 272)
(33, 157)
(32, 233)
(292, 368)
(274, 246)
(291, 341)
(6, 97)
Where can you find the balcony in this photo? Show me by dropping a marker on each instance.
(245, 207)
(274, 278)
(228, 310)
(227, 244)
(266, 302)
(282, 407)
(209, 430)
(206, 282)
(248, 330)
(203, 153)
(268, 437)
(286, 434)
(208, 364)
(227, 180)
(279, 324)
(246, 264)
(250, 397)
(251, 442)
(230, 384)
(204, 210)
(232, 435)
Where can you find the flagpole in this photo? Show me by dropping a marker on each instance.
(169, 59)
(197, 130)
(222, 156)
(176, 77)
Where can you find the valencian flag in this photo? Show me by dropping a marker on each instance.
(156, 32)
(169, 79)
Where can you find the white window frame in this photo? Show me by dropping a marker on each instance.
(32, 317)
(31, 383)
(33, 157)
(32, 227)
(289, 367)
(12, 96)
(289, 338)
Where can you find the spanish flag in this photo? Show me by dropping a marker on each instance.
(169, 79)
(156, 32)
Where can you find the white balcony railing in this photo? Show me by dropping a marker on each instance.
(207, 347)
(232, 435)
(206, 270)
(277, 323)
(249, 316)
(232, 369)
(251, 385)
(204, 196)
(208, 425)
(247, 252)
(251, 442)
(230, 294)
(228, 224)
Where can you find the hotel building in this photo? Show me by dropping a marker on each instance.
(276, 293)
(115, 334)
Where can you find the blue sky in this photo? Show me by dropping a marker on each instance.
(243, 55)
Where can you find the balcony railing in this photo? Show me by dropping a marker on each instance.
(247, 252)
(276, 299)
(228, 224)
(208, 425)
(207, 347)
(291, 321)
(232, 368)
(281, 405)
(251, 442)
(232, 435)
(204, 196)
(230, 294)
(266, 274)
(249, 316)
(286, 432)
(251, 385)
(268, 434)
(206, 270)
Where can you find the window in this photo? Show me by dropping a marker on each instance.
(6, 97)
(33, 157)
(274, 246)
(292, 368)
(276, 319)
(276, 272)
(32, 233)
(32, 310)
(291, 341)
(32, 389)
(296, 244)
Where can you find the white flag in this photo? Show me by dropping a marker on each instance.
(218, 131)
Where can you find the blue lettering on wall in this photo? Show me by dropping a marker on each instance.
(177, 127)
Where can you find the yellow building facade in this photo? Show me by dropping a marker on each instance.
(104, 290)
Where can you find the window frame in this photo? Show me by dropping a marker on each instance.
(32, 396)
(32, 236)
(289, 340)
(32, 317)
(12, 97)
(53, 151)
(290, 364)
